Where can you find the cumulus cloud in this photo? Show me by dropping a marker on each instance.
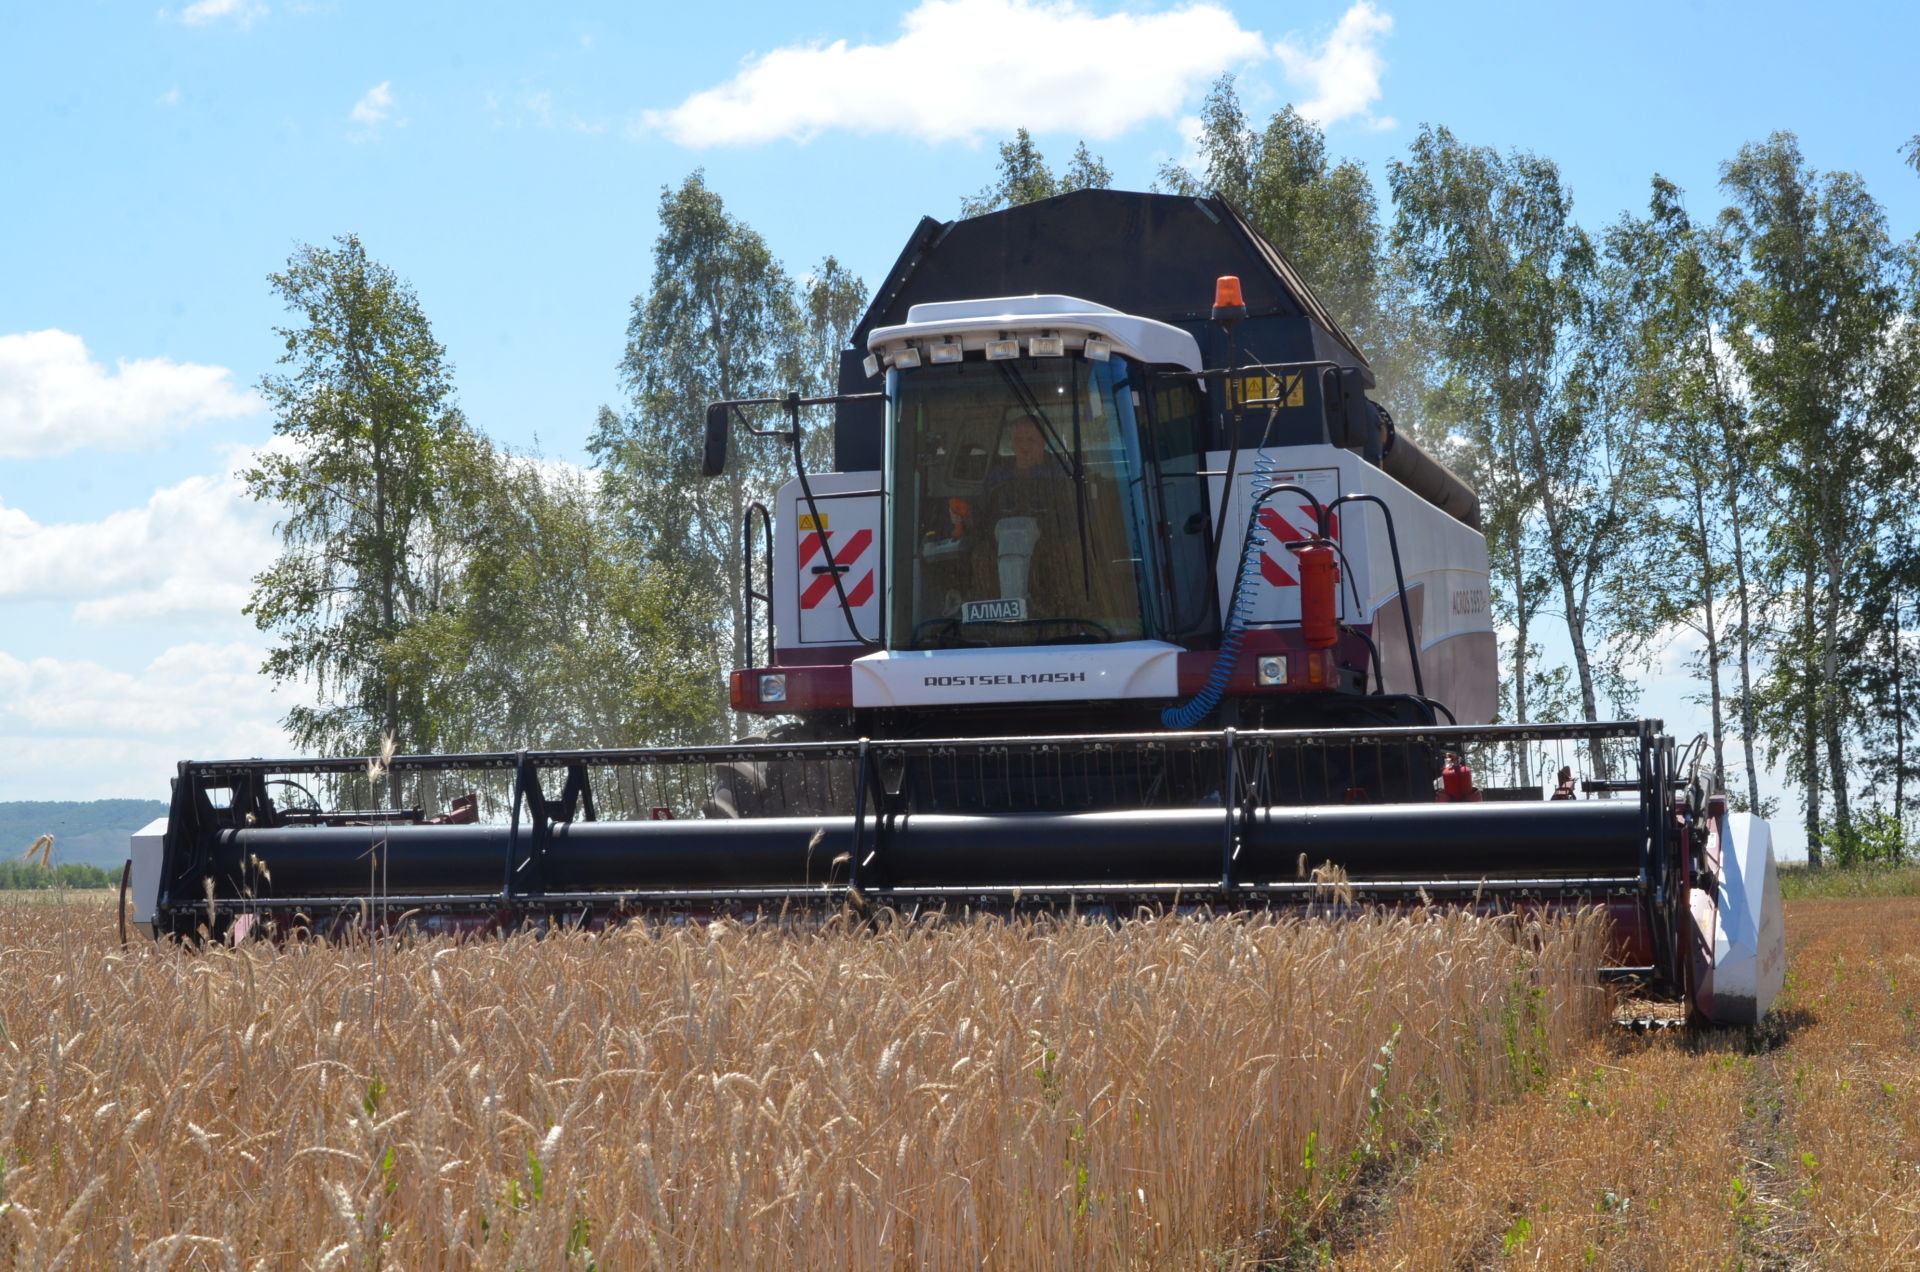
(55, 398)
(77, 729)
(188, 556)
(1342, 75)
(203, 12)
(374, 105)
(963, 69)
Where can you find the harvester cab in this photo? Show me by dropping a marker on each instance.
(1074, 514)
(1112, 600)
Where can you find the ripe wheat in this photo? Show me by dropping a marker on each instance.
(1021, 1096)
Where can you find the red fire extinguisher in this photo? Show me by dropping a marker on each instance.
(1319, 593)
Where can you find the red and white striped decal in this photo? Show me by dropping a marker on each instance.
(818, 587)
(1286, 531)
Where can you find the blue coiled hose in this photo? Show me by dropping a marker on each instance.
(1233, 632)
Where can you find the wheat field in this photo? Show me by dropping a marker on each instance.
(1165, 1093)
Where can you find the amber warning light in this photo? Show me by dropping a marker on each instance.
(1227, 304)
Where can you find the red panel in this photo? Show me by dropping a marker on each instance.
(814, 688)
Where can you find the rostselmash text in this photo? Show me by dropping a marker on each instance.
(1009, 678)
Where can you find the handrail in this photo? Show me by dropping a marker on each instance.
(746, 574)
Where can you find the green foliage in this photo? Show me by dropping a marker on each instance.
(433, 587)
(21, 876)
(564, 635)
(1801, 882)
(370, 444)
(1322, 214)
(1677, 281)
(721, 319)
(1822, 333)
(1874, 837)
(1025, 178)
(1526, 322)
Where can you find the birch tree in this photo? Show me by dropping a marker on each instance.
(719, 320)
(1510, 280)
(367, 477)
(1823, 342)
(1024, 177)
(1679, 279)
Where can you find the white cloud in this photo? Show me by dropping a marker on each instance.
(187, 556)
(203, 12)
(55, 398)
(1342, 76)
(374, 105)
(75, 729)
(961, 69)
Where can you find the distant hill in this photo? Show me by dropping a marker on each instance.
(93, 832)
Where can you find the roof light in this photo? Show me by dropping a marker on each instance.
(1046, 347)
(1098, 350)
(1228, 307)
(871, 365)
(1001, 350)
(950, 352)
(906, 358)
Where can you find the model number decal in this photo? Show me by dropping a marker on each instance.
(1470, 600)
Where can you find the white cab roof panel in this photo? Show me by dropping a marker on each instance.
(973, 321)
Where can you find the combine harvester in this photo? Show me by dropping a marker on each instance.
(1113, 599)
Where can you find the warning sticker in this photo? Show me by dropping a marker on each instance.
(1267, 390)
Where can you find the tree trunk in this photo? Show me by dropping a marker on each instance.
(1809, 728)
(1830, 692)
(1521, 753)
(1899, 732)
(390, 716)
(1582, 663)
(1710, 625)
(1744, 638)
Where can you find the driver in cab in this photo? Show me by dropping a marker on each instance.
(1028, 505)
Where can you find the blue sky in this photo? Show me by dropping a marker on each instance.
(157, 164)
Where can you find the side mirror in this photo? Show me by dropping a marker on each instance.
(713, 458)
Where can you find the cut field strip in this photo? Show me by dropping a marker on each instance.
(1784, 1149)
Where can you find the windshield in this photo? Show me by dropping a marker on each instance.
(1018, 515)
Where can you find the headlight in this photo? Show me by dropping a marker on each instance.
(907, 358)
(1046, 347)
(1001, 350)
(1272, 670)
(951, 352)
(773, 687)
(1098, 350)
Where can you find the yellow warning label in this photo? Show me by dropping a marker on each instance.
(807, 522)
(1267, 390)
